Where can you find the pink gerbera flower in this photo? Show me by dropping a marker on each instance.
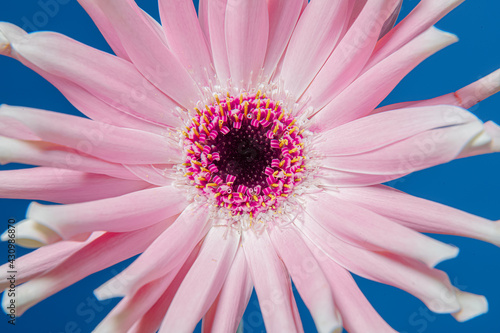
(236, 150)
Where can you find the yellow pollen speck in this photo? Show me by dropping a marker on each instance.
(205, 129)
(195, 121)
(228, 102)
(259, 113)
(275, 185)
(188, 174)
(281, 115)
(212, 185)
(248, 205)
(255, 198)
(209, 110)
(277, 106)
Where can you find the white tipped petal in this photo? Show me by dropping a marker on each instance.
(472, 306)
(31, 234)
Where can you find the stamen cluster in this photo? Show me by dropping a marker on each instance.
(245, 152)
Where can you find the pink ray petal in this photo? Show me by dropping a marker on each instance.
(387, 128)
(283, 16)
(203, 18)
(465, 97)
(215, 21)
(226, 312)
(351, 55)
(423, 16)
(42, 260)
(363, 95)
(348, 297)
(337, 178)
(99, 254)
(418, 152)
(82, 98)
(52, 155)
(167, 253)
(412, 276)
(185, 38)
(63, 186)
(118, 214)
(362, 228)
(323, 19)
(202, 284)
(391, 21)
(272, 284)
(246, 40)
(109, 78)
(132, 308)
(420, 214)
(105, 27)
(151, 174)
(151, 320)
(308, 277)
(111, 143)
(159, 65)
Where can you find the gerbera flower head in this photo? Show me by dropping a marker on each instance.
(231, 147)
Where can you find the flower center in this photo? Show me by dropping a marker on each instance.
(245, 153)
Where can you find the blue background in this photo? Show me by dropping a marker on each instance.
(470, 184)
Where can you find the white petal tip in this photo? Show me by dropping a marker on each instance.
(107, 291)
(472, 306)
(449, 252)
(31, 234)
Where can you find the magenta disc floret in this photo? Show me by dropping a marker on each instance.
(246, 153)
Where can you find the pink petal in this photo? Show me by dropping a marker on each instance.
(351, 55)
(425, 15)
(203, 18)
(111, 143)
(323, 19)
(63, 186)
(338, 178)
(111, 79)
(350, 300)
(272, 284)
(283, 16)
(41, 260)
(132, 308)
(363, 95)
(466, 97)
(246, 40)
(412, 276)
(185, 38)
(80, 97)
(418, 152)
(387, 128)
(216, 18)
(119, 214)
(105, 27)
(159, 65)
(226, 312)
(391, 21)
(151, 320)
(152, 174)
(308, 277)
(422, 215)
(52, 155)
(103, 252)
(202, 284)
(362, 228)
(167, 253)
